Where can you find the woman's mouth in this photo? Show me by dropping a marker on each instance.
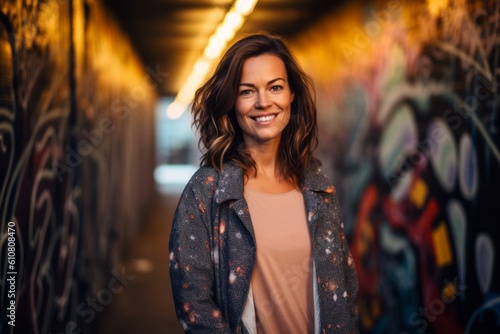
(266, 118)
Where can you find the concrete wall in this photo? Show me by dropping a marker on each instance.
(409, 130)
(76, 160)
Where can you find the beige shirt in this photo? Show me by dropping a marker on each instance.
(282, 279)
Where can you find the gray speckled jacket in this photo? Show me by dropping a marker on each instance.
(212, 255)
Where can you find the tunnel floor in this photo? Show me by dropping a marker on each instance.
(145, 305)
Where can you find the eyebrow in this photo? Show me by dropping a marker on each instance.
(268, 83)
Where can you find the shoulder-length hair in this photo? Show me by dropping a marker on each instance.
(214, 111)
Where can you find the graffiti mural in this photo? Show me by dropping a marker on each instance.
(409, 130)
(76, 149)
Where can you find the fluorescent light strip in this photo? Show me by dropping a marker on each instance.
(216, 44)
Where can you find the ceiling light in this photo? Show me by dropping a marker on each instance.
(216, 44)
(201, 67)
(245, 7)
(175, 110)
(214, 48)
(233, 20)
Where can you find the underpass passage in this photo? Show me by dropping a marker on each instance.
(145, 305)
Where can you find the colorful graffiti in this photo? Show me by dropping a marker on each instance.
(407, 97)
(76, 146)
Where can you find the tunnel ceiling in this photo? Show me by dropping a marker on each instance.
(171, 34)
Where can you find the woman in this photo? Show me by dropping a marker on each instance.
(257, 243)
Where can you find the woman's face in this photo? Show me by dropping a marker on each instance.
(264, 100)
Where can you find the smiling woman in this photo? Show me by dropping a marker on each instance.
(264, 100)
(259, 207)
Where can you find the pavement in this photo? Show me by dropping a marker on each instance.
(145, 305)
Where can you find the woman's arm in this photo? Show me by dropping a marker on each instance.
(191, 270)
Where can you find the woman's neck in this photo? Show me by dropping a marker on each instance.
(264, 154)
(268, 177)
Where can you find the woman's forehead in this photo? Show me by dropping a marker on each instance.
(263, 66)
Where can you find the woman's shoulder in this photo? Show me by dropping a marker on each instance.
(204, 177)
(204, 172)
(208, 178)
(314, 178)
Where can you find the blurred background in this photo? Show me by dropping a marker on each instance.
(96, 145)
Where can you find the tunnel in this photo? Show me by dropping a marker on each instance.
(97, 143)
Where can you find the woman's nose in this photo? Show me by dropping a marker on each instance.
(263, 101)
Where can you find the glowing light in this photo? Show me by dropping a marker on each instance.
(245, 7)
(224, 34)
(201, 67)
(436, 6)
(215, 47)
(233, 20)
(175, 110)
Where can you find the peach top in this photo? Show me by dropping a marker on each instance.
(282, 278)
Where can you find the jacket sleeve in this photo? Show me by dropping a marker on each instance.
(191, 270)
(351, 278)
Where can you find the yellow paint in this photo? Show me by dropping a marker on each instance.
(442, 247)
(369, 311)
(419, 192)
(449, 291)
(436, 6)
(367, 236)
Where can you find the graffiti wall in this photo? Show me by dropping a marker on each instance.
(76, 161)
(409, 130)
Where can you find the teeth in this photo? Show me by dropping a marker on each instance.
(265, 118)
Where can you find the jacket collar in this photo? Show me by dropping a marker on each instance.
(231, 182)
(314, 180)
(314, 185)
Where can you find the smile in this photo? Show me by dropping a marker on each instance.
(264, 118)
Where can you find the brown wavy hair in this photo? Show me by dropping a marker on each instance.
(214, 113)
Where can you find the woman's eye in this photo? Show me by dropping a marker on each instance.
(245, 92)
(276, 88)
